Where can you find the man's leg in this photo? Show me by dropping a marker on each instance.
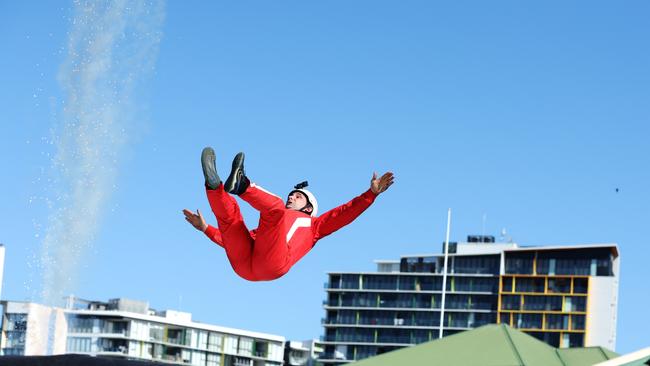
(271, 251)
(237, 240)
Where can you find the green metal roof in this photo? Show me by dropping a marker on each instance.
(585, 356)
(489, 345)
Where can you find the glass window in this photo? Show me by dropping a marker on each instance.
(213, 360)
(203, 339)
(379, 282)
(576, 340)
(476, 264)
(363, 352)
(604, 266)
(557, 321)
(580, 285)
(519, 263)
(431, 319)
(418, 264)
(506, 284)
(388, 300)
(361, 299)
(529, 321)
(17, 322)
(510, 302)
(394, 336)
(529, 285)
(559, 285)
(422, 301)
(156, 332)
(407, 282)
(78, 344)
(80, 324)
(575, 303)
(577, 322)
(335, 281)
(350, 281)
(431, 283)
(420, 336)
(347, 317)
(214, 342)
(245, 346)
(505, 318)
(405, 300)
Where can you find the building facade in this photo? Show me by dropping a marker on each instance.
(302, 353)
(129, 329)
(565, 296)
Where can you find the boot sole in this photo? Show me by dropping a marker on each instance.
(209, 167)
(237, 166)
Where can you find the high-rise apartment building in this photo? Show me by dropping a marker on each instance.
(563, 295)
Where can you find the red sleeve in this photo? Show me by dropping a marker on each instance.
(214, 234)
(336, 218)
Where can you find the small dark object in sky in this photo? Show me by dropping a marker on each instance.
(616, 190)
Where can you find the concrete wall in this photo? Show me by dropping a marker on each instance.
(46, 329)
(601, 312)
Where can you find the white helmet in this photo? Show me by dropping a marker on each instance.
(311, 199)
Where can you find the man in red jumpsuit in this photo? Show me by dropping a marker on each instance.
(286, 230)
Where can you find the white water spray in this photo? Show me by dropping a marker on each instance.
(112, 45)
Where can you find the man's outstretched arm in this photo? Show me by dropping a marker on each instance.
(340, 216)
(197, 220)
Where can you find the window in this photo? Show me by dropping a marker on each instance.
(505, 318)
(510, 302)
(418, 264)
(580, 285)
(203, 339)
(578, 322)
(542, 303)
(78, 344)
(506, 284)
(476, 264)
(529, 285)
(245, 346)
(214, 342)
(559, 285)
(350, 281)
(429, 319)
(431, 283)
(529, 321)
(80, 325)
(576, 340)
(519, 263)
(213, 360)
(335, 281)
(557, 321)
(407, 282)
(379, 282)
(16, 322)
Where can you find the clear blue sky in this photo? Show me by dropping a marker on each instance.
(529, 113)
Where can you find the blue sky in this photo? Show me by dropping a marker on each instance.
(527, 114)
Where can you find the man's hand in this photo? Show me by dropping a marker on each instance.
(380, 185)
(196, 220)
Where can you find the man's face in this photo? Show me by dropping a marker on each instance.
(297, 201)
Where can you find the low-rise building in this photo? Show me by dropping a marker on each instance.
(129, 329)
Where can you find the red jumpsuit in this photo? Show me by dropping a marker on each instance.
(282, 237)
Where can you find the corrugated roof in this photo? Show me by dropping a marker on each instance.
(638, 358)
(489, 345)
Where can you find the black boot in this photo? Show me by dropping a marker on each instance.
(237, 183)
(212, 180)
